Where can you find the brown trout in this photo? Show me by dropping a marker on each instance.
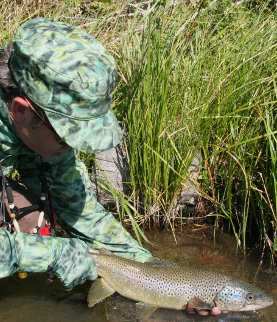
(172, 286)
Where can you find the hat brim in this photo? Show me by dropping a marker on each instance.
(91, 136)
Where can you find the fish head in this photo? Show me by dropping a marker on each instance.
(241, 296)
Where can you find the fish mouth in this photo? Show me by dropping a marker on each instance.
(258, 305)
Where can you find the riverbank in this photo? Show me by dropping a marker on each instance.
(195, 78)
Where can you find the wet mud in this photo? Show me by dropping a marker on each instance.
(36, 300)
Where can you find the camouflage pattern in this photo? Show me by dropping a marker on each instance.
(67, 258)
(70, 75)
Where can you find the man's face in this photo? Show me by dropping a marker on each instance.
(34, 129)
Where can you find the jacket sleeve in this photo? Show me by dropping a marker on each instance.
(67, 258)
(79, 212)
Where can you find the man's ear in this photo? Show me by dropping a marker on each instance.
(20, 110)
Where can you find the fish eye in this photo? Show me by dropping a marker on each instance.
(250, 297)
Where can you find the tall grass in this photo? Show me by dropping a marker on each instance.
(204, 80)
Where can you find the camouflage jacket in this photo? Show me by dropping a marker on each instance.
(76, 207)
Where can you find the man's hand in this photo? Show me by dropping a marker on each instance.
(73, 265)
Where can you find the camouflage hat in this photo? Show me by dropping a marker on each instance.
(70, 75)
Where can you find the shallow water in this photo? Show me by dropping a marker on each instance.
(36, 300)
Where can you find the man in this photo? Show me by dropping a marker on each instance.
(55, 100)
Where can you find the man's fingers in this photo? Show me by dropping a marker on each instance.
(215, 311)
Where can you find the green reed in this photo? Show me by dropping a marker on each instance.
(203, 80)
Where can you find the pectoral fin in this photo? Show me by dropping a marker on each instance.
(98, 291)
(197, 304)
(144, 311)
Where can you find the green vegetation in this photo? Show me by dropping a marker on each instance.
(204, 80)
(193, 78)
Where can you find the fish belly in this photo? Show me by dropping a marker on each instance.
(149, 292)
(161, 288)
